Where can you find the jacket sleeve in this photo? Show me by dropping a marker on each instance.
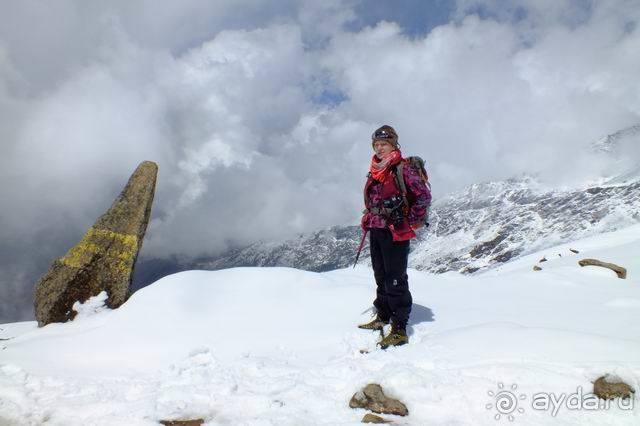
(420, 193)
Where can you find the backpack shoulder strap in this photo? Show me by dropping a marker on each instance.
(399, 176)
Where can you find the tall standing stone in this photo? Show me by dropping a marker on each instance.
(105, 257)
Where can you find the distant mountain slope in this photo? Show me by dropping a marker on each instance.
(613, 143)
(482, 226)
(491, 223)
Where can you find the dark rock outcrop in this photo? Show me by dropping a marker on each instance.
(194, 422)
(373, 398)
(619, 270)
(105, 257)
(607, 387)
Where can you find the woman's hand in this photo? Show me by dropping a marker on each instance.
(364, 221)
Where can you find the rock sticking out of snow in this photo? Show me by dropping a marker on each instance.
(372, 418)
(194, 422)
(610, 387)
(371, 397)
(104, 258)
(619, 270)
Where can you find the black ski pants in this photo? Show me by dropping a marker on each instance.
(389, 260)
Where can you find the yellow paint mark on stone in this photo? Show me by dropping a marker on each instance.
(94, 241)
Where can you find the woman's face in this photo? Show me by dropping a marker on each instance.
(382, 148)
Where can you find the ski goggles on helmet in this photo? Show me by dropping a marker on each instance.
(382, 134)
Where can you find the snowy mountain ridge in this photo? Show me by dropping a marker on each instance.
(479, 227)
(482, 226)
(610, 144)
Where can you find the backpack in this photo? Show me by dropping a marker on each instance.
(418, 164)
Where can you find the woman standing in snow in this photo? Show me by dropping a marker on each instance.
(394, 211)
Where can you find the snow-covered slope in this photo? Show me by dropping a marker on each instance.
(491, 223)
(278, 346)
(615, 142)
(624, 147)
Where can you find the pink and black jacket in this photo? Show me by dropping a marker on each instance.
(375, 192)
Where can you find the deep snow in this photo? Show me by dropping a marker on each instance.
(279, 346)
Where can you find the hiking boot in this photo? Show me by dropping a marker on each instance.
(396, 337)
(376, 324)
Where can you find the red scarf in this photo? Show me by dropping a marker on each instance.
(380, 168)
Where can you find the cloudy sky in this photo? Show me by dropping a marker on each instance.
(259, 113)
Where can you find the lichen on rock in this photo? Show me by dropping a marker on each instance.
(610, 387)
(104, 258)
